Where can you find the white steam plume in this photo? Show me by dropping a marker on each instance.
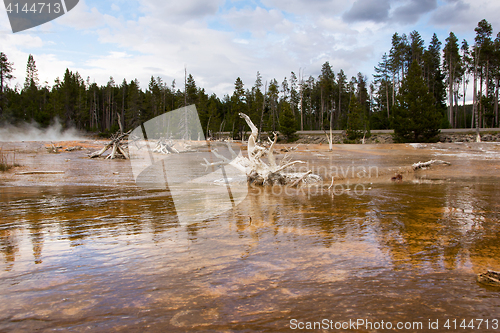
(33, 132)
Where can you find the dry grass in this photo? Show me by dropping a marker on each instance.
(7, 161)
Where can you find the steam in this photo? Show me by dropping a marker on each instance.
(33, 132)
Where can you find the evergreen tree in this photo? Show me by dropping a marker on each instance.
(273, 103)
(294, 95)
(342, 95)
(355, 119)
(433, 74)
(191, 90)
(496, 75)
(483, 50)
(31, 74)
(30, 91)
(288, 125)
(415, 115)
(5, 75)
(416, 48)
(327, 102)
(383, 80)
(453, 69)
(467, 69)
(238, 106)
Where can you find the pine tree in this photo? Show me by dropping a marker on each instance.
(327, 103)
(238, 106)
(272, 94)
(415, 115)
(287, 122)
(453, 71)
(416, 48)
(382, 78)
(31, 74)
(496, 74)
(467, 69)
(433, 74)
(482, 53)
(355, 119)
(341, 83)
(30, 90)
(5, 75)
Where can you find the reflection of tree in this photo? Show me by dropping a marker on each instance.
(297, 213)
(78, 214)
(36, 233)
(444, 225)
(484, 232)
(410, 225)
(8, 246)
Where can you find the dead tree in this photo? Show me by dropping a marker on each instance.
(259, 172)
(423, 165)
(117, 149)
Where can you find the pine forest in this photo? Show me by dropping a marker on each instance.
(416, 89)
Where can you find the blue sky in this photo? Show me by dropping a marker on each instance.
(219, 40)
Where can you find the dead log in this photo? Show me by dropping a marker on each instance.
(301, 178)
(73, 148)
(117, 150)
(164, 146)
(421, 165)
(491, 278)
(257, 170)
(53, 149)
(37, 172)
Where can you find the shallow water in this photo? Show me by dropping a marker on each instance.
(115, 257)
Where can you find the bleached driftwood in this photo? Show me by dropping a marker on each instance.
(259, 172)
(117, 150)
(421, 165)
(165, 146)
(38, 172)
(491, 278)
(73, 148)
(53, 148)
(330, 139)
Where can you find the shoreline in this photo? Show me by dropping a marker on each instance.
(347, 162)
(387, 138)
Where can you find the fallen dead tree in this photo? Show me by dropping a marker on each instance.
(491, 278)
(39, 172)
(118, 149)
(421, 165)
(165, 146)
(53, 149)
(259, 172)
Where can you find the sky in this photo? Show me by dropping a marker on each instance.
(220, 40)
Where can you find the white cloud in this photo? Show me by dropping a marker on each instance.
(278, 37)
(258, 21)
(82, 17)
(410, 11)
(463, 15)
(368, 10)
(180, 11)
(310, 8)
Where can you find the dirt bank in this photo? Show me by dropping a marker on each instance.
(388, 138)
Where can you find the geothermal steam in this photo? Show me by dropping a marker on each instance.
(33, 132)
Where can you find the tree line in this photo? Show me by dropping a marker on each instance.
(415, 90)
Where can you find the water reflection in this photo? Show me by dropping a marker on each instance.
(98, 257)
